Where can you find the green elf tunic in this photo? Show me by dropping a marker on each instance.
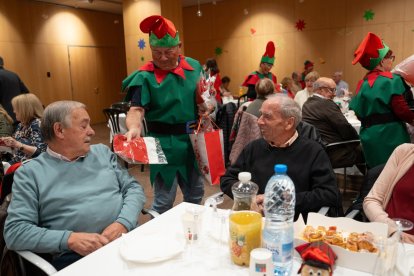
(253, 78)
(169, 97)
(373, 97)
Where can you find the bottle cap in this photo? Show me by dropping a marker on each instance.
(280, 168)
(245, 186)
(245, 176)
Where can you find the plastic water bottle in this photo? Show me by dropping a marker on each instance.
(244, 193)
(279, 208)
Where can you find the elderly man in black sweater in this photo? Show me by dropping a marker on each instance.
(308, 164)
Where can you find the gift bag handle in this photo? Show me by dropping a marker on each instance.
(215, 126)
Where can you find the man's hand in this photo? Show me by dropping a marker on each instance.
(260, 202)
(86, 243)
(134, 122)
(114, 231)
(133, 133)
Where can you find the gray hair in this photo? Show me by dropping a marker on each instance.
(288, 107)
(57, 112)
(264, 87)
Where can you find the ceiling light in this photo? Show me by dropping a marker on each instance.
(199, 12)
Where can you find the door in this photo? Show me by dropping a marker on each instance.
(96, 76)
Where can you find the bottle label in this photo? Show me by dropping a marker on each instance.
(280, 252)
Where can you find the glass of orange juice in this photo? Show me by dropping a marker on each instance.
(245, 235)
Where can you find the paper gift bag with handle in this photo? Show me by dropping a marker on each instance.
(141, 150)
(209, 152)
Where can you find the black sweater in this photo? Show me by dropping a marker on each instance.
(308, 167)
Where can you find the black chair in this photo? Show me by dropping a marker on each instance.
(242, 97)
(332, 147)
(124, 106)
(356, 211)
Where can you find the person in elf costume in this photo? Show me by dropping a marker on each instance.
(318, 259)
(164, 90)
(266, 64)
(307, 69)
(379, 102)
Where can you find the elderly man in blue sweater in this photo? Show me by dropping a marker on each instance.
(74, 198)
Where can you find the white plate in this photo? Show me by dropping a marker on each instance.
(151, 248)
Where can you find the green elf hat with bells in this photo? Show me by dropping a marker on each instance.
(370, 52)
(162, 32)
(269, 55)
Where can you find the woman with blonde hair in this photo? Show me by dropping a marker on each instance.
(6, 123)
(27, 141)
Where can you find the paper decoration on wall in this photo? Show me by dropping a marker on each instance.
(300, 24)
(142, 58)
(369, 15)
(252, 31)
(322, 61)
(141, 44)
(218, 51)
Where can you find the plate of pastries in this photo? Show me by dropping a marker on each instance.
(352, 241)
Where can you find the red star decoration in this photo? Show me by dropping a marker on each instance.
(300, 24)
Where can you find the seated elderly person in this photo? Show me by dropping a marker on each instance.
(308, 163)
(393, 193)
(74, 198)
(322, 112)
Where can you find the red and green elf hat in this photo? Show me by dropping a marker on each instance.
(308, 64)
(317, 254)
(370, 52)
(162, 32)
(269, 55)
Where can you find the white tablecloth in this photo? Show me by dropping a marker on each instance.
(207, 257)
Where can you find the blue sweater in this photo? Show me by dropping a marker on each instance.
(52, 198)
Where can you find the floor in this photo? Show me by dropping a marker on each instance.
(102, 136)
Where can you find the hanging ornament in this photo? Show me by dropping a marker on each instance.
(252, 31)
(369, 15)
(245, 11)
(218, 51)
(141, 44)
(322, 61)
(300, 24)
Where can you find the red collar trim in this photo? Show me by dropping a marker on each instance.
(371, 77)
(161, 74)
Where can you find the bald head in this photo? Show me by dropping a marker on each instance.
(325, 87)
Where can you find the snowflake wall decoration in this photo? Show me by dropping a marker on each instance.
(300, 24)
(369, 15)
(141, 44)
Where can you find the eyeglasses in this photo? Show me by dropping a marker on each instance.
(332, 90)
(391, 58)
(268, 65)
